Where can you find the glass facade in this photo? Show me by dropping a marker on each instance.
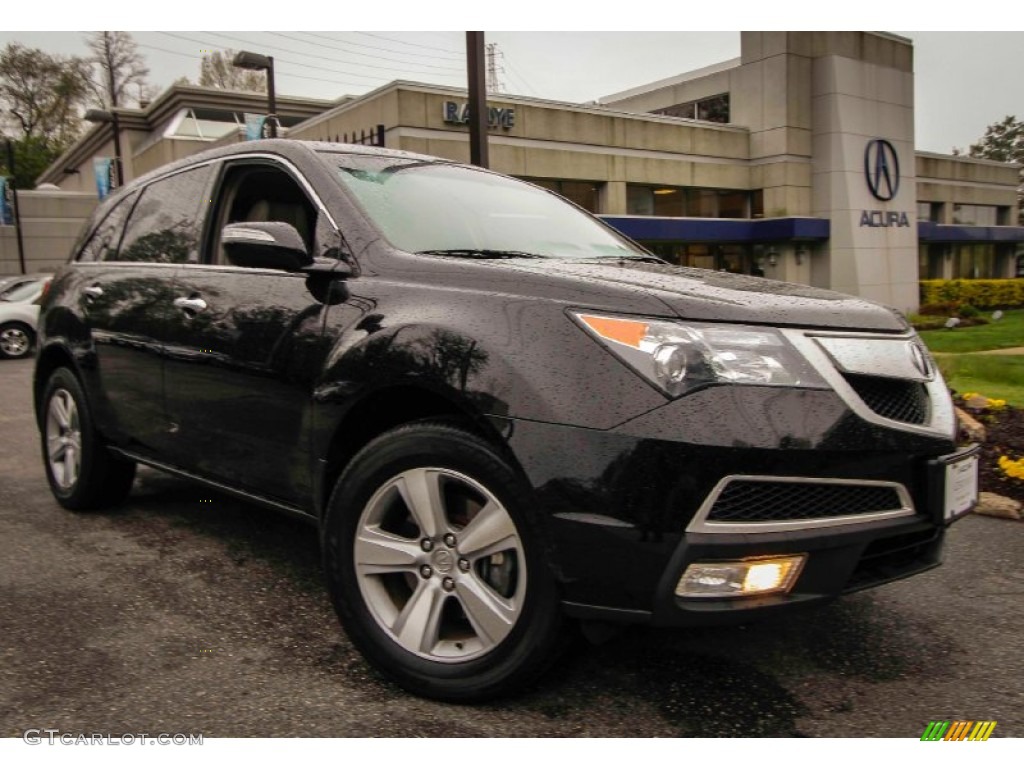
(738, 258)
(692, 202)
(210, 123)
(928, 211)
(714, 109)
(967, 261)
(981, 215)
(586, 194)
(930, 260)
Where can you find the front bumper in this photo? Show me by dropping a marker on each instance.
(620, 510)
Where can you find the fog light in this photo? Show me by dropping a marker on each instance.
(740, 578)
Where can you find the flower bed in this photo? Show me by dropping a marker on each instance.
(1001, 466)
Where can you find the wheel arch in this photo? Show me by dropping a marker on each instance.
(50, 359)
(385, 409)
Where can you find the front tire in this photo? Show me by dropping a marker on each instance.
(81, 472)
(436, 568)
(16, 340)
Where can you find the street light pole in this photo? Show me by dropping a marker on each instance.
(258, 62)
(103, 116)
(116, 125)
(271, 98)
(14, 205)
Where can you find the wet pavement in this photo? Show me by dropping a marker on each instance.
(187, 611)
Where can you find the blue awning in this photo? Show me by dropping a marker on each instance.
(930, 232)
(720, 230)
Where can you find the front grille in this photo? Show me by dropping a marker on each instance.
(758, 501)
(896, 399)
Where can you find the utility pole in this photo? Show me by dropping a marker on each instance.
(478, 114)
(494, 83)
(17, 213)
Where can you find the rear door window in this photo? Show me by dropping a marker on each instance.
(165, 225)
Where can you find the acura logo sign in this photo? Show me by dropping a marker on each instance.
(882, 169)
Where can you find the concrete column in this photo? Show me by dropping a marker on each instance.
(612, 198)
(863, 93)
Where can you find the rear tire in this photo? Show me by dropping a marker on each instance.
(81, 472)
(437, 569)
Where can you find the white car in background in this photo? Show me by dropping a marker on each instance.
(19, 313)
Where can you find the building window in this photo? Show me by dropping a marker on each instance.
(930, 260)
(733, 205)
(208, 123)
(721, 257)
(757, 204)
(976, 215)
(975, 261)
(585, 194)
(928, 211)
(714, 109)
(677, 202)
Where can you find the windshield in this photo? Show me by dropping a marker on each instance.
(431, 207)
(21, 292)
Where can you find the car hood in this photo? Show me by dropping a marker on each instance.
(700, 294)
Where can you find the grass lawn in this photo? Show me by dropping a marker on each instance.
(996, 376)
(1002, 334)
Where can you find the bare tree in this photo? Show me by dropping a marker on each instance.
(118, 67)
(216, 71)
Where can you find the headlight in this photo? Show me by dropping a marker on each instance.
(680, 356)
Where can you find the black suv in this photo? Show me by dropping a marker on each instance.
(500, 412)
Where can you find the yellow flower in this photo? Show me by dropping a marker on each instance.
(1011, 467)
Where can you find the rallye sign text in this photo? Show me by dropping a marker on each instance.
(497, 117)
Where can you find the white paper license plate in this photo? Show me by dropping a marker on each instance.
(961, 486)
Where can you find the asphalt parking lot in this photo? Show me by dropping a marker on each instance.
(189, 612)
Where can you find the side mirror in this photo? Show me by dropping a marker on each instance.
(265, 245)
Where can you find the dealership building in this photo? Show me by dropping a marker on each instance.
(794, 161)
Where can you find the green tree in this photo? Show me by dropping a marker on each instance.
(117, 69)
(216, 71)
(41, 97)
(1004, 141)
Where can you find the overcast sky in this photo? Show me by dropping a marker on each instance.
(964, 80)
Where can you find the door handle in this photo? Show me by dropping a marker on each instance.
(190, 306)
(92, 293)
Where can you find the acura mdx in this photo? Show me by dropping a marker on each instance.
(501, 414)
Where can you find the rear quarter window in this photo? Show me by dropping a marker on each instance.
(105, 237)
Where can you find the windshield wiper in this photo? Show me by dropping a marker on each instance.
(631, 257)
(481, 253)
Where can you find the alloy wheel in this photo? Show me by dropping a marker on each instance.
(14, 342)
(440, 564)
(63, 439)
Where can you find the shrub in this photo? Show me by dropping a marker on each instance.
(967, 311)
(940, 309)
(980, 294)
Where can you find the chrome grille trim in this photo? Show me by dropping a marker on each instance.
(941, 420)
(701, 524)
